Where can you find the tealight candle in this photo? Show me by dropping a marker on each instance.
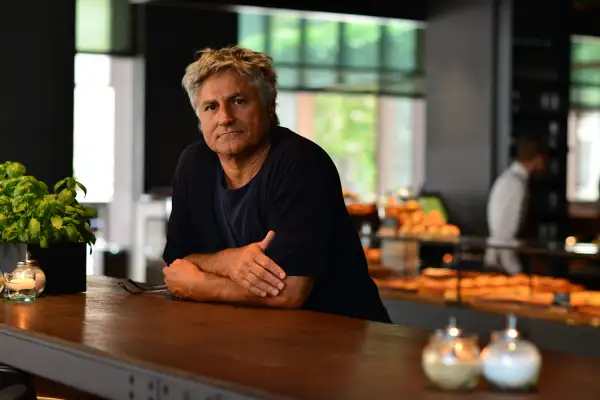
(20, 284)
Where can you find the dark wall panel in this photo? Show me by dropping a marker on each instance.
(37, 39)
(459, 91)
(173, 34)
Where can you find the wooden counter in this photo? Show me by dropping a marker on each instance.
(121, 346)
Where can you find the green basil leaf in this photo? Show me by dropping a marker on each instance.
(58, 185)
(34, 227)
(57, 222)
(58, 235)
(89, 212)
(83, 188)
(66, 196)
(73, 233)
(75, 211)
(71, 183)
(43, 188)
(15, 170)
(23, 223)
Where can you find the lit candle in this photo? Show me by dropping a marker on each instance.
(20, 284)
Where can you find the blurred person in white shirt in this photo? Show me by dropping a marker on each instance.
(509, 201)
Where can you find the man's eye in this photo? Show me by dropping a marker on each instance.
(211, 107)
(239, 101)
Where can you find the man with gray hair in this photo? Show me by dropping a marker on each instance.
(258, 213)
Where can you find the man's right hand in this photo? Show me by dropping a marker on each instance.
(252, 269)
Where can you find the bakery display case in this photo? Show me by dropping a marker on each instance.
(560, 312)
(555, 306)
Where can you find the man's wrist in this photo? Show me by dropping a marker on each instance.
(199, 287)
(222, 262)
(212, 263)
(208, 287)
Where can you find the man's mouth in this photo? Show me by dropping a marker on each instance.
(230, 133)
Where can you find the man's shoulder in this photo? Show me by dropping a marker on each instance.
(196, 153)
(506, 186)
(292, 149)
(195, 162)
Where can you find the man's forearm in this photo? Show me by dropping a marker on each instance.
(216, 263)
(210, 287)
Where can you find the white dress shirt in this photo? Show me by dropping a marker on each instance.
(505, 212)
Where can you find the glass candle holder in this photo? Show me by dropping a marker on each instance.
(19, 286)
(451, 359)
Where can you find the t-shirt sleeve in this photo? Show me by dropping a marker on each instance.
(178, 228)
(303, 202)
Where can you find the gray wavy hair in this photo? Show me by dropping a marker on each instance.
(254, 65)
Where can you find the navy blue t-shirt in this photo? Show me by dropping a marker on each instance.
(236, 211)
(297, 193)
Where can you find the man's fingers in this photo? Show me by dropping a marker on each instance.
(262, 284)
(267, 277)
(269, 265)
(264, 244)
(246, 284)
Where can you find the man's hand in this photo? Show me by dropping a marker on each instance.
(180, 276)
(253, 270)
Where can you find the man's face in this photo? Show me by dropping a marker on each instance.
(231, 114)
(540, 165)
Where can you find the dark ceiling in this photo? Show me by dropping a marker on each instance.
(586, 16)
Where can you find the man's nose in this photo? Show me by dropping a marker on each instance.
(225, 116)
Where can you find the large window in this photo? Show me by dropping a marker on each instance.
(338, 52)
(584, 156)
(345, 126)
(584, 124)
(351, 84)
(94, 126)
(103, 27)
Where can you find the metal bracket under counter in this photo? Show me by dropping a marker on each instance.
(98, 375)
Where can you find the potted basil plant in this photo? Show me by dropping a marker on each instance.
(50, 227)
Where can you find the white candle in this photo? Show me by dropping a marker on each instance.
(20, 284)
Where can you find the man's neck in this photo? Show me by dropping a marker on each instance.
(239, 170)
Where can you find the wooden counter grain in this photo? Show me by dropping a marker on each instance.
(253, 352)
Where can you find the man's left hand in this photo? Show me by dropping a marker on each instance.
(179, 277)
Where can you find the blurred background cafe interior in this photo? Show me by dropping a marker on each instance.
(419, 104)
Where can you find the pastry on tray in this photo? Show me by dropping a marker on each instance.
(405, 283)
(585, 298)
(379, 271)
(475, 286)
(373, 255)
